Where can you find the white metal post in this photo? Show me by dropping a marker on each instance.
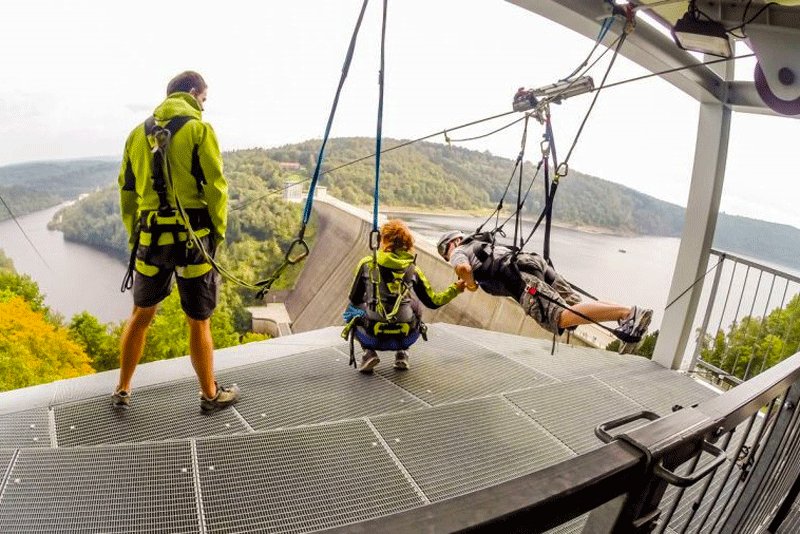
(708, 174)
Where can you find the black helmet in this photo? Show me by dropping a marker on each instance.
(446, 239)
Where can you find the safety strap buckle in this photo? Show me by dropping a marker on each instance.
(374, 239)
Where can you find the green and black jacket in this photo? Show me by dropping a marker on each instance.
(393, 266)
(195, 168)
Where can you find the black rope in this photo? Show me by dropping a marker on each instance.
(385, 150)
(497, 116)
(670, 71)
(465, 139)
(24, 233)
(594, 101)
(721, 259)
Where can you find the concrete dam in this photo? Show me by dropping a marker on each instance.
(321, 292)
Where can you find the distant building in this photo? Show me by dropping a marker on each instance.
(293, 191)
(289, 165)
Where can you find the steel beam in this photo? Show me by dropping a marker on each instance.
(702, 210)
(646, 46)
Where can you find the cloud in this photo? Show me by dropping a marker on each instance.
(139, 109)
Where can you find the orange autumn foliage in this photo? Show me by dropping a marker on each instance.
(33, 350)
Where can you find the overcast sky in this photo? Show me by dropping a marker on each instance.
(76, 76)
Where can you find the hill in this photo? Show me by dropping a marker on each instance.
(440, 177)
(29, 187)
(427, 176)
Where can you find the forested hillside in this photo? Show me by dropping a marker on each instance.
(31, 187)
(435, 176)
(427, 176)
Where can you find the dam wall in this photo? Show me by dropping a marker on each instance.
(321, 292)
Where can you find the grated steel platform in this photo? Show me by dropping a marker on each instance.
(313, 444)
(30, 428)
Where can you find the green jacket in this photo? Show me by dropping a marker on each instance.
(399, 261)
(195, 143)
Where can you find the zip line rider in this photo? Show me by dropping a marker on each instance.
(390, 318)
(543, 293)
(172, 165)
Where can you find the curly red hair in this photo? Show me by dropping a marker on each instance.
(395, 237)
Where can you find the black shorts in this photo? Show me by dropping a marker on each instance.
(198, 294)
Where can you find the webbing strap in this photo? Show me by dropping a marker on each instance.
(292, 257)
(321, 156)
(379, 133)
(163, 137)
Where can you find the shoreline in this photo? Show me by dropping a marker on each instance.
(587, 229)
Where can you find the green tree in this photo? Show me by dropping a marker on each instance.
(645, 348)
(6, 264)
(94, 337)
(754, 344)
(23, 286)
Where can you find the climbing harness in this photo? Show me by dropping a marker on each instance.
(383, 328)
(173, 222)
(152, 224)
(536, 103)
(389, 321)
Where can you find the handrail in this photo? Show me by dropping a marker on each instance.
(756, 265)
(538, 501)
(740, 304)
(628, 465)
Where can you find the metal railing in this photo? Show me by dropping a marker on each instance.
(728, 465)
(751, 320)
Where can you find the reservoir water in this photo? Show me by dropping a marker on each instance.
(628, 270)
(76, 277)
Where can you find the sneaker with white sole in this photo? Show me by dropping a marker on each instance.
(226, 396)
(368, 361)
(121, 399)
(401, 360)
(634, 327)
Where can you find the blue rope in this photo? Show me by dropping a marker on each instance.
(345, 69)
(604, 28)
(378, 135)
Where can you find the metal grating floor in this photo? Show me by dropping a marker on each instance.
(158, 413)
(128, 489)
(313, 387)
(331, 447)
(463, 447)
(300, 480)
(30, 428)
(658, 389)
(571, 410)
(450, 368)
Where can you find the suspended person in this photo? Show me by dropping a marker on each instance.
(386, 300)
(150, 194)
(543, 293)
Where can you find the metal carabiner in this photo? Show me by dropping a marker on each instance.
(374, 239)
(289, 260)
(562, 170)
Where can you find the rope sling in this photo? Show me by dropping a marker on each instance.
(549, 160)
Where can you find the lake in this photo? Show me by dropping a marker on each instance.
(81, 278)
(75, 278)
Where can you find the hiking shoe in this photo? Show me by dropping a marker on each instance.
(121, 399)
(226, 396)
(401, 360)
(635, 326)
(368, 362)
